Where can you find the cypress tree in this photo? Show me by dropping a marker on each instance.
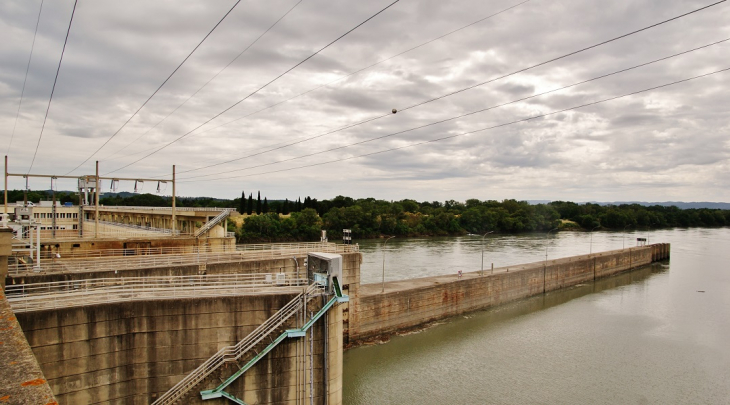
(258, 203)
(242, 203)
(285, 208)
(266, 205)
(249, 206)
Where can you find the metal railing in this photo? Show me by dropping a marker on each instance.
(74, 293)
(172, 250)
(325, 247)
(139, 208)
(150, 229)
(87, 264)
(233, 353)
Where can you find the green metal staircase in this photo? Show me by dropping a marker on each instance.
(219, 392)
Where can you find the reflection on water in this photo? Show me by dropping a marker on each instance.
(645, 337)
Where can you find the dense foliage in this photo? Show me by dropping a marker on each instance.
(284, 220)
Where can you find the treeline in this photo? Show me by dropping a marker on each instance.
(285, 220)
(369, 218)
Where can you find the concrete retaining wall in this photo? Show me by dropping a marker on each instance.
(412, 303)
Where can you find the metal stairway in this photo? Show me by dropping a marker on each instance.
(213, 222)
(219, 392)
(231, 354)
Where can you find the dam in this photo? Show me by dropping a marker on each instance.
(121, 333)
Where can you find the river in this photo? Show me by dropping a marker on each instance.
(658, 335)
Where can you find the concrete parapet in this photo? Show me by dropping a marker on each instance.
(21, 378)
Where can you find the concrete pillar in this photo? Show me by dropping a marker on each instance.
(6, 249)
(334, 355)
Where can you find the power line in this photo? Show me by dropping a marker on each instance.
(27, 68)
(208, 82)
(158, 89)
(53, 89)
(349, 75)
(257, 90)
(478, 130)
(463, 89)
(464, 115)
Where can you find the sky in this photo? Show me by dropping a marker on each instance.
(298, 125)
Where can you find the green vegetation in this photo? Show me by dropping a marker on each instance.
(285, 220)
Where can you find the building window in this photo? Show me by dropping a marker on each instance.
(76, 227)
(35, 215)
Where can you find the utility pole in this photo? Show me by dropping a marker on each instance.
(96, 202)
(174, 222)
(7, 215)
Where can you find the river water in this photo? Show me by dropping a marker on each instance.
(658, 335)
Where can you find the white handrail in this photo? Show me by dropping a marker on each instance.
(72, 293)
(171, 260)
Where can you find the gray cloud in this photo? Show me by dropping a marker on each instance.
(669, 142)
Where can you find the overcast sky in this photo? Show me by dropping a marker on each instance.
(666, 144)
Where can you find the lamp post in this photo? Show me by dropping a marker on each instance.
(623, 238)
(649, 230)
(546, 244)
(384, 244)
(590, 250)
(483, 236)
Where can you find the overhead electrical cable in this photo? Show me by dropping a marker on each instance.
(356, 72)
(460, 90)
(338, 79)
(474, 131)
(463, 115)
(208, 82)
(53, 89)
(257, 90)
(27, 68)
(158, 89)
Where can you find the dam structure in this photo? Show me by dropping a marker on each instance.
(219, 324)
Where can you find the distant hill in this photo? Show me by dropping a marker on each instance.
(678, 204)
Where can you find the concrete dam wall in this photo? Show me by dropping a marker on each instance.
(412, 303)
(130, 353)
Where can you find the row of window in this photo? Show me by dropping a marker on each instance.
(69, 215)
(48, 228)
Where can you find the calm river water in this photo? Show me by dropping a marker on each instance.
(659, 335)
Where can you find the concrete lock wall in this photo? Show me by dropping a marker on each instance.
(132, 352)
(413, 303)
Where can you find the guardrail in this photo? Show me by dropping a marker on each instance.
(73, 293)
(233, 353)
(308, 246)
(88, 264)
(96, 253)
(133, 226)
(138, 208)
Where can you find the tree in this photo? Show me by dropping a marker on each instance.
(258, 204)
(249, 205)
(285, 207)
(242, 203)
(265, 208)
